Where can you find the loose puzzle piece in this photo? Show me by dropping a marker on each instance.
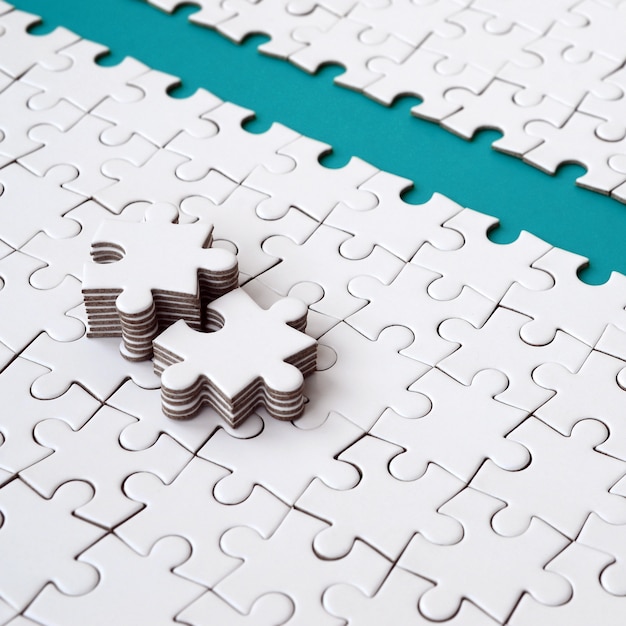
(145, 405)
(186, 508)
(558, 308)
(393, 224)
(497, 345)
(230, 148)
(544, 489)
(241, 208)
(262, 460)
(156, 116)
(156, 181)
(147, 275)
(457, 414)
(40, 540)
(582, 566)
(366, 378)
(19, 118)
(19, 50)
(82, 81)
(611, 539)
(93, 454)
(269, 356)
(310, 186)
(485, 568)
(285, 562)
(95, 365)
(486, 267)
(27, 311)
(591, 392)
(346, 43)
(272, 19)
(405, 301)
(133, 588)
(355, 513)
(22, 212)
(22, 412)
(319, 261)
(420, 75)
(497, 107)
(209, 609)
(82, 148)
(399, 597)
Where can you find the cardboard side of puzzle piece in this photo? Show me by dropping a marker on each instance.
(543, 488)
(20, 50)
(406, 302)
(394, 224)
(82, 81)
(497, 345)
(307, 453)
(457, 414)
(132, 588)
(558, 307)
(93, 454)
(55, 537)
(366, 378)
(582, 566)
(156, 116)
(230, 148)
(286, 563)
(591, 392)
(346, 43)
(398, 596)
(269, 358)
(26, 311)
(145, 405)
(355, 513)
(309, 186)
(183, 508)
(486, 267)
(23, 411)
(486, 568)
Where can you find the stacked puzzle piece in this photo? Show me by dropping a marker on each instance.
(461, 456)
(549, 75)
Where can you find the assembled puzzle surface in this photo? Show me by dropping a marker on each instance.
(461, 457)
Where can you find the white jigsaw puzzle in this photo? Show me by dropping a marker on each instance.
(460, 459)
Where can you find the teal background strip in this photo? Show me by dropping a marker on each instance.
(471, 173)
